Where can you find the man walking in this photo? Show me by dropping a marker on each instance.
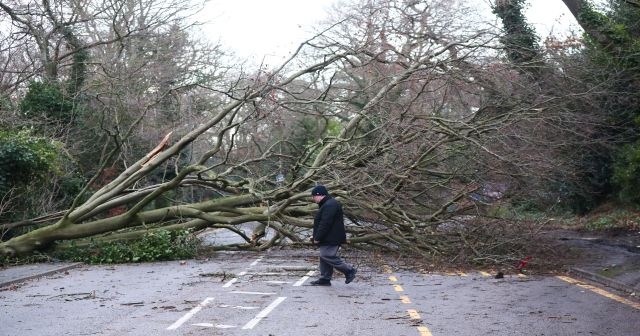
(329, 234)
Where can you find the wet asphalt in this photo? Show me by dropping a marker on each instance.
(246, 293)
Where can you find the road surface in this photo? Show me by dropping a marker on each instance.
(269, 294)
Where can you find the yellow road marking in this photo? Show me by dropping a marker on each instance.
(463, 274)
(413, 314)
(520, 275)
(486, 274)
(599, 291)
(424, 331)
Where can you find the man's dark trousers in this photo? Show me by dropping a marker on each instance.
(329, 260)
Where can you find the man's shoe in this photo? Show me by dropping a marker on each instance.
(350, 276)
(320, 282)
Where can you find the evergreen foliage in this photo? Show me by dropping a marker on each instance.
(47, 100)
(24, 157)
(152, 246)
(618, 60)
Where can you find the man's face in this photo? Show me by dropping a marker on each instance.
(317, 198)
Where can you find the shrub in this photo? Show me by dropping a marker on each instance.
(46, 100)
(615, 220)
(627, 173)
(153, 246)
(24, 157)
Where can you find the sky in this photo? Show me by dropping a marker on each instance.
(271, 29)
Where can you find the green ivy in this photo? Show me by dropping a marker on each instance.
(46, 100)
(614, 52)
(24, 157)
(627, 172)
(520, 39)
(153, 246)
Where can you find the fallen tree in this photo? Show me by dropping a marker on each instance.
(389, 108)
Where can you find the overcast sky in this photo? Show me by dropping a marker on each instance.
(254, 28)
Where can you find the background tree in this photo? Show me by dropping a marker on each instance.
(94, 71)
(566, 87)
(611, 36)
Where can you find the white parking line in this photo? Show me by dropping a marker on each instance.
(261, 315)
(252, 293)
(211, 325)
(256, 261)
(236, 307)
(264, 313)
(190, 314)
(230, 282)
(303, 279)
(244, 307)
(277, 282)
(224, 326)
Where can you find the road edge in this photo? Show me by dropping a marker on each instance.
(41, 274)
(586, 275)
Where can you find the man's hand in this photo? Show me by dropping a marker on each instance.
(316, 242)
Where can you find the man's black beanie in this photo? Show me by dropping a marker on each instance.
(319, 190)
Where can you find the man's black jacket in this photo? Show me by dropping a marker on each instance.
(328, 223)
